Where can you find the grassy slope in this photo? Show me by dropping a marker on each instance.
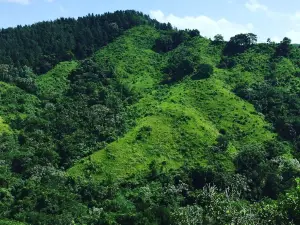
(132, 60)
(54, 83)
(182, 121)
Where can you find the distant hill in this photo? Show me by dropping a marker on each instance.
(146, 124)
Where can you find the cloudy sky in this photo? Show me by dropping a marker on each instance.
(273, 19)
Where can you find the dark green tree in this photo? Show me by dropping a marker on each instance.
(240, 43)
(284, 48)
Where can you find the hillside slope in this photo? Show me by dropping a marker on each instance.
(175, 124)
(159, 126)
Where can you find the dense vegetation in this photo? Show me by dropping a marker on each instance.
(43, 45)
(159, 126)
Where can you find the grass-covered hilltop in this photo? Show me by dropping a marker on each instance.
(119, 119)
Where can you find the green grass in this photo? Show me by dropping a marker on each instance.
(225, 110)
(175, 136)
(177, 124)
(55, 83)
(131, 59)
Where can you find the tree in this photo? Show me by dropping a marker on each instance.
(290, 202)
(251, 162)
(185, 67)
(163, 44)
(194, 33)
(240, 43)
(284, 48)
(181, 64)
(171, 40)
(43, 45)
(203, 71)
(218, 39)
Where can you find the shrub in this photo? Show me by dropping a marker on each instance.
(203, 71)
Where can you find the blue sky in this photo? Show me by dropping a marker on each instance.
(266, 18)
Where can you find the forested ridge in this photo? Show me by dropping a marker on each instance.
(43, 45)
(120, 119)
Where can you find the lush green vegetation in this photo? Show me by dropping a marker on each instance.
(159, 126)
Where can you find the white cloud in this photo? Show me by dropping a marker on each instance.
(23, 2)
(254, 5)
(291, 20)
(207, 26)
(294, 36)
(276, 39)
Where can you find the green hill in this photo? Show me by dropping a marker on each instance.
(158, 126)
(177, 123)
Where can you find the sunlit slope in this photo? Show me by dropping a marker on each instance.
(177, 124)
(131, 59)
(55, 83)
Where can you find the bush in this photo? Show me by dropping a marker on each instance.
(176, 72)
(143, 133)
(170, 41)
(239, 44)
(203, 71)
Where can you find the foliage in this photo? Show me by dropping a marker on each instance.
(240, 43)
(102, 140)
(180, 64)
(203, 71)
(291, 202)
(218, 39)
(284, 48)
(173, 39)
(37, 46)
